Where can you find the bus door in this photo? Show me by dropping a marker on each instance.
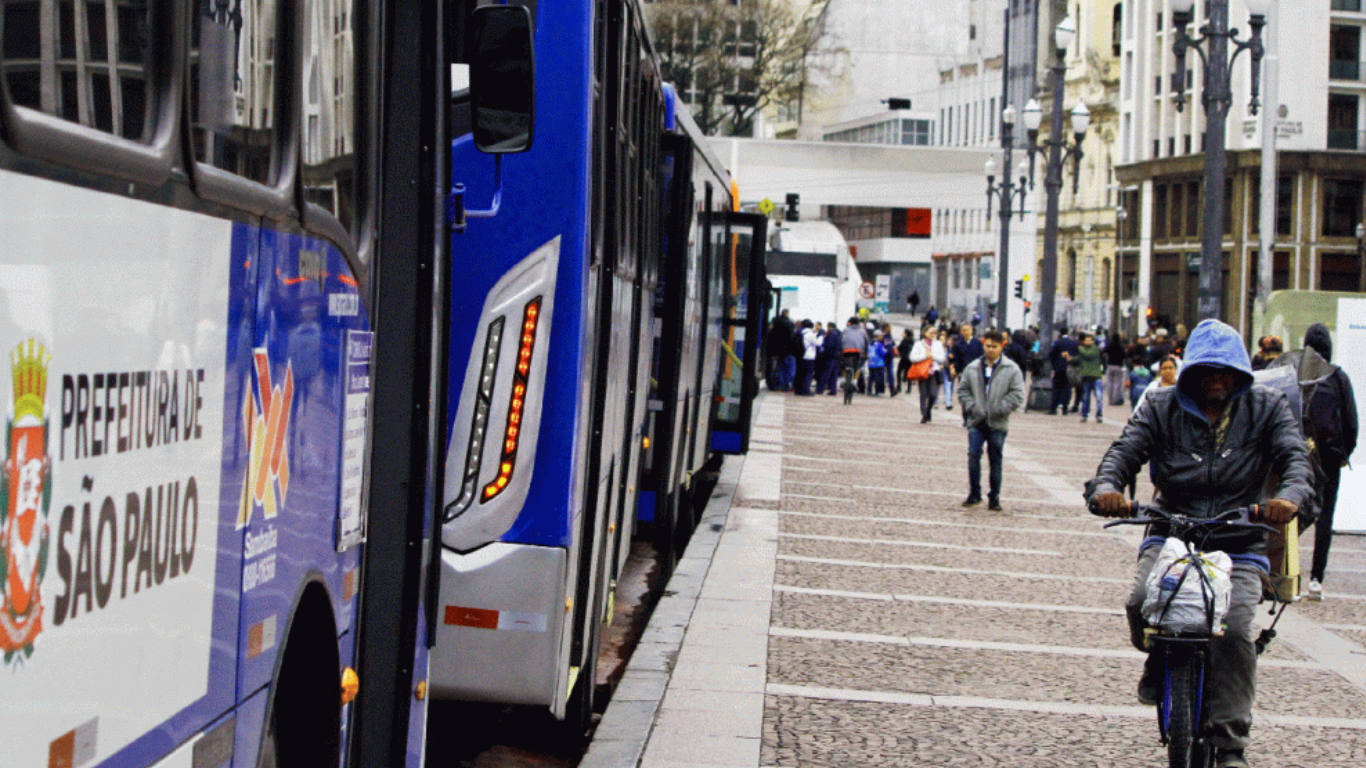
(745, 295)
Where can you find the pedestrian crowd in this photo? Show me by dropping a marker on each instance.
(1087, 371)
(1197, 403)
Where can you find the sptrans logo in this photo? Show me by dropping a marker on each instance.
(26, 493)
(265, 417)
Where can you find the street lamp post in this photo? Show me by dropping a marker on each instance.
(1121, 215)
(1217, 98)
(1063, 35)
(1005, 192)
(1361, 256)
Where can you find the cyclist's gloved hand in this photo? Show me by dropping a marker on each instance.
(1278, 511)
(1110, 504)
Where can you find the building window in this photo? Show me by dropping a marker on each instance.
(104, 87)
(1116, 28)
(1285, 188)
(1178, 228)
(1193, 208)
(1339, 271)
(1160, 229)
(1342, 122)
(1342, 201)
(1344, 52)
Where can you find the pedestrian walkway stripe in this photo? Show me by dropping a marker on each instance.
(795, 457)
(964, 601)
(925, 544)
(1040, 707)
(846, 488)
(1345, 627)
(941, 523)
(982, 645)
(956, 569)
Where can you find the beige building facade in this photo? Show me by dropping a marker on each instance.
(1087, 236)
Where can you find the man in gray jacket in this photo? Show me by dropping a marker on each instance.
(991, 387)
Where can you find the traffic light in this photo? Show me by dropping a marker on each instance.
(793, 200)
(1019, 289)
(1028, 304)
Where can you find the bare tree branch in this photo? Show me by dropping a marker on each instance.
(732, 62)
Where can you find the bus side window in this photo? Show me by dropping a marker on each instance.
(232, 87)
(329, 108)
(461, 121)
(85, 62)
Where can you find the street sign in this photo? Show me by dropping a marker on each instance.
(866, 290)
(765, 206)
(883, 293)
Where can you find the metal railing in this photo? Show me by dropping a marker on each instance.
(1344, 70)
(1346, 138)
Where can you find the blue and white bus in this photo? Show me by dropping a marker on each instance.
(596, 346)
(222, 241)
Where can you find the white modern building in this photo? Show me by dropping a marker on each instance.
(897, 207)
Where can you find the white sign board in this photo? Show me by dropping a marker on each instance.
(357, 405)
(114, 399)
(883, 292)
(1349, 351)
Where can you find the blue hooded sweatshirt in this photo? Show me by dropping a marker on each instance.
(1212, 345)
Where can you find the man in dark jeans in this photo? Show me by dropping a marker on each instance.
(1063, 350)
(991, 388)
(1211, 442)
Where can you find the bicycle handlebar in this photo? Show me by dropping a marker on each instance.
(1241, 517)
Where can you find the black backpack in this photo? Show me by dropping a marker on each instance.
(1302, 375)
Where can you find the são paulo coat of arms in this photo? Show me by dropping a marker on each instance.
(25, 494)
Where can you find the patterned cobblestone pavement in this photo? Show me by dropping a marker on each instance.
(908, 631)
(855, 615)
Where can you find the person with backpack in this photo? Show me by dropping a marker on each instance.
(1330, 425)
(855, 342)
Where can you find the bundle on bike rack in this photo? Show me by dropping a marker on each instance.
(1188, 590)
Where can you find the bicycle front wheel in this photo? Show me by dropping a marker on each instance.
(1185, 748)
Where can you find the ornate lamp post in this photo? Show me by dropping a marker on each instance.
(1361, 256)
(1121, 216)
(1063, 35)
(1217, 99)
(1006, 192)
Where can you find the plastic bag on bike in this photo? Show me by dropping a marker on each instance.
(1188, 591)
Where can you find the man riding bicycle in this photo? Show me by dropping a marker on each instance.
(1212, 440)
(855, 340)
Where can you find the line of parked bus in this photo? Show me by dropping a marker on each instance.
(349, 348)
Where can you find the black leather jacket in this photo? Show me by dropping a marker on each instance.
(1196, 477)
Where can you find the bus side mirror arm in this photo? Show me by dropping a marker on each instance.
(456, 212)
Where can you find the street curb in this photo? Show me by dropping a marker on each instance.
(621, 736)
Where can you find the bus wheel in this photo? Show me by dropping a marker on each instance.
(303, 723)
